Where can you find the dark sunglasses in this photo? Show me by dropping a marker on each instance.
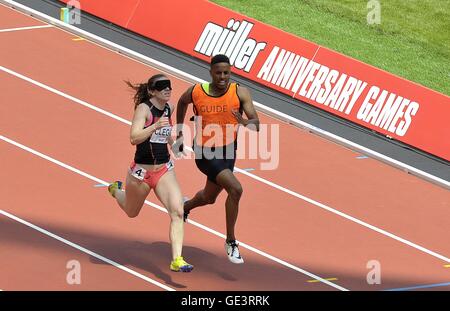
(161, 85)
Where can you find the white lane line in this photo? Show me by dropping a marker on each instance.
(99, 181)
(193, 79)
(25, 28)
(346, 216)
(85, 250)
(78, 101)
(265, 181)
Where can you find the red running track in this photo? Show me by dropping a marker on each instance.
(399, 220)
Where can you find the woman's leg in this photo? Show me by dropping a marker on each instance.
(132, 199)
(169, 193)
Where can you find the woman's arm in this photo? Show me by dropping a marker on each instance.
(138, 133)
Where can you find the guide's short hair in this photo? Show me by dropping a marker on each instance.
(220, 58)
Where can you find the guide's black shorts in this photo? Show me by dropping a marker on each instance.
(212, 161)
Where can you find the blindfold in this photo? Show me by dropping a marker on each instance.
(161, 85)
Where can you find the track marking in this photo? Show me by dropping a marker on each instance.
(78, 39)
(246, 169)
(362, 157)
(417, 287)
(135, 56)
(25, 28)
(239, 170)
(99, 181)
(85, 250)
(100, 185)
(446, 266)
(328, 279)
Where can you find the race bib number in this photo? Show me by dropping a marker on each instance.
(138, 172)
(161, 136)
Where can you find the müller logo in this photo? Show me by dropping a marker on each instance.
(232, 41)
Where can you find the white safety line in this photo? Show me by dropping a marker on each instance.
(85, 250)
(263, 180)
(99, 181)
(25, 28)
(183, 75)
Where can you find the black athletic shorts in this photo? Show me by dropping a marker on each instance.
(212, 161)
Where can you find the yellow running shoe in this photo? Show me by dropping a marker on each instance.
(180, 265)
(117, 185)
